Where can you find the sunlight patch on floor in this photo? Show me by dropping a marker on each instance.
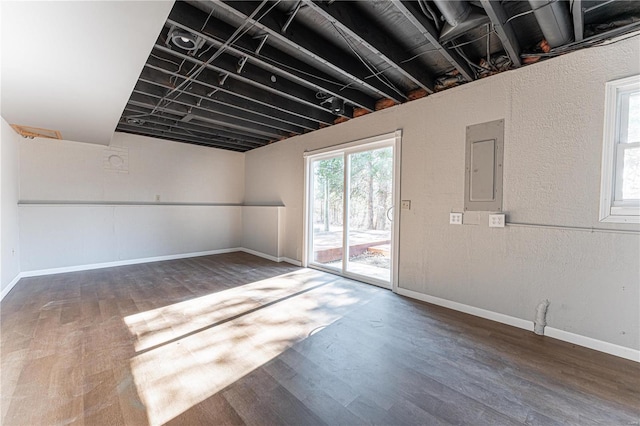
(205, 351)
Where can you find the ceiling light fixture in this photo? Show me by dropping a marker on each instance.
(337, 106)
(135, 121)
(184, 39)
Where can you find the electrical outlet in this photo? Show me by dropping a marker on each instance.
(158, 197)
(496, 220)
(406, 204)
(455, 218)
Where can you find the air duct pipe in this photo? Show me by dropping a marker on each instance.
(554, 20)
(461, 17)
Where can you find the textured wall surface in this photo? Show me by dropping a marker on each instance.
(553, 115)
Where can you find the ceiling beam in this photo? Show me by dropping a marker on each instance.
(220, 95)
(187, 121)
(163, 135)
(413, 13)
(313, 46)
(249, 95)
(169, 129)
(266, 57)
(197, 97)
(350, 20)
(504, 29)
(179, 107)
(226, 65)
(577, 11)
(202, 128)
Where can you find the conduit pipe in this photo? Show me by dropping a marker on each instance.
(461, 17)
(554, 21)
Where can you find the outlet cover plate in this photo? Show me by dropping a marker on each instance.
(496, 220)
(455, 218)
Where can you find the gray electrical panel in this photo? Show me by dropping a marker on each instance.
(483, 167)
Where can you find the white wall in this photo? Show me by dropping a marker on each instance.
(263, 230)
(553, 115)
(68, 232)
(9, 181)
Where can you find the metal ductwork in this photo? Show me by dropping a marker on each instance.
(554, 20)
(461, 16)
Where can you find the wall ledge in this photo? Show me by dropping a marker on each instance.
(554, 333)
(136, 203)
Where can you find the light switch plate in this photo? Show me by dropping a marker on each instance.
(455, 218)
(496, 220)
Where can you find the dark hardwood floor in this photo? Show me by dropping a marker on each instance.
(235, 339)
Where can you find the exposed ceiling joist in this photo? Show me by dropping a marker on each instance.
(504, 29)
(190, 122)
(249, 101)
(347, 18)
(414, 15)
(198, 97)
(144, 131)
(179, 107)
(169, 130)
(314, 47)
(577, 11)
(225, 67)
(266, 57)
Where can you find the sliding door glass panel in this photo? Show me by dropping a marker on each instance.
(369, 204)
(327, 216)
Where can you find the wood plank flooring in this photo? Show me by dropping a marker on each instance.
(236, 339)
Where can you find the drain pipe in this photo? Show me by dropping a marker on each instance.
(461, 17)
(554, 21)
(541, 317)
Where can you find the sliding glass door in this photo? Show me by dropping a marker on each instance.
(351, 193)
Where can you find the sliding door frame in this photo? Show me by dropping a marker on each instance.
(389, 139)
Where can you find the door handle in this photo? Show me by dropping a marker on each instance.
(390, 217)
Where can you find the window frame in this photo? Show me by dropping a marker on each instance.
(616, 118)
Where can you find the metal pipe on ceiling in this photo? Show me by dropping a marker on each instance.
(554, 20)
(461, 17)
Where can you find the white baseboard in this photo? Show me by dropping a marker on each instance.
(588, 342)
(12, 284)
(65, 269)
(260, 254)
(272, 258)
(292, 261)
(554, 333)
(90, 266)
(468, 309)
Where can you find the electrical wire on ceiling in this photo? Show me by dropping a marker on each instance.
(429, 13)
(239, 32)
(527, 12)
(164, 59)
(283, 65)
(371, 68)
(453, 46)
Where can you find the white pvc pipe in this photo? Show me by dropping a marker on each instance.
(541, 317)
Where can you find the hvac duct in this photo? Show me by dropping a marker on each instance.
(461, 17)
(554, 20)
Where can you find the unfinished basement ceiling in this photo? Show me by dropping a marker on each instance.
(238, 75)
